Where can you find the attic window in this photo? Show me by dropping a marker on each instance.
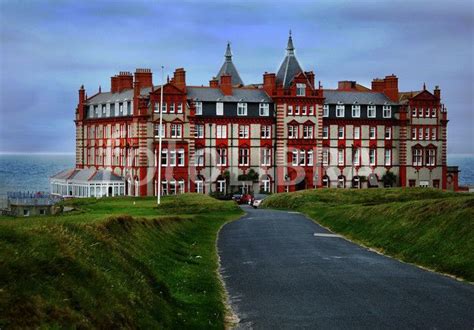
(300, 89)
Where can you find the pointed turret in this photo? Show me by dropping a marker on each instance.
(228, 68)
(290, 67)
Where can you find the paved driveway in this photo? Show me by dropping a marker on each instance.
(284, 271)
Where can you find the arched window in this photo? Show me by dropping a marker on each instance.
(326, 181)
(341, 181)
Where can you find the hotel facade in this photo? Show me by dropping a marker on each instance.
(286, 133)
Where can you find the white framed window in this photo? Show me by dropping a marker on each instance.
(302, 159)
(433, 133)
(388, 157)
(265, 131)
(219, 109)
(156, 107)
(417, 157)
(430, 157)
(199, 186)
(325, 132)
(266, 157)
(103, 109)
(340, 157)
(420, 133)
(307, 132)
(172, 107)
(414, 112)
(244, 157)
(180, 107)
(309, 158)
(297, 110)
(413, 133)
(221, 156)
(172, 187)
(326, 110)
(355, 111)
(372, 157)
(311, 110)
(427, 133)
(180, 157)
(340, 132)
(356, 132)
(294, 158)
(164, 157)
(198, 106)
(264, 109)
(221, 186)
(199, 157)
(292, 131)
(164, 187)
(388, 133)
(371, 111)
(300, 89)
(387, 111)
(266, 185)
(181, 187)
(305, 110)
(176, 130)
(159, 131)
(244, 131)
(199, 131)
(420, 112)
(372, 132)
(172, 155)
(241, 109)
(356, 157)
(433, 112)
(340, 109)
(290, 110)
(221, 131)
(325, 157)
(427, 112)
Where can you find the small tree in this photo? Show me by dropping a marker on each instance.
(389, 179)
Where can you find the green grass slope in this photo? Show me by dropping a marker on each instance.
(118, 262)
(431, 228)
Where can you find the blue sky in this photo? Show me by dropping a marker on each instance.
(49, 48)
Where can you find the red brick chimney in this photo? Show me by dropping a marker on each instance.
(145, 77)
(269, 82)
(125, 81)
(214, 83)
(391, 87)
(310, 75)
(179, 79)
(226, 84)
(114, 84)
(378, 85)
(437, 92)
(346, 85)
(82, 95)
(80, 106)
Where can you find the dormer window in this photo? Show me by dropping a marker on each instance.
(198, 106)
(103, 109)
(219, 108)
(387, 111)
(326, 110)
(356, 111)
(264, 109)
(371, 111)
(241, 109)
(300, 89)
(340, 110)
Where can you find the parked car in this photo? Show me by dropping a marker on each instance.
(245, 199)
(257, 200)
(236, 198)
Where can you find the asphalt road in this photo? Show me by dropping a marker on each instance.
(280, 275)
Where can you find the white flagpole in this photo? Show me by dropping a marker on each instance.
(159, 134)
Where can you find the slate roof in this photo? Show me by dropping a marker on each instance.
(87, 175)
(349, 97)
(229, 68)
(108, 97)
(208, 94)
(290, 66)
(403, 97)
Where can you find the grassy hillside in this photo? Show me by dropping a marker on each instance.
(427, 227)
(118, 262)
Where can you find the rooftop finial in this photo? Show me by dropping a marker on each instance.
(290, 48)
(228, 53)
(424, 86)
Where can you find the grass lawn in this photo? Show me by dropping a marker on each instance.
(115, 262)
(428, 227)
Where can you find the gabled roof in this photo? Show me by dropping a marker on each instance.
(209, 94)
(290, 66)
(403, 97)
(229, 68)
(350, 97)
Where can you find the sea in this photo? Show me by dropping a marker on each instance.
(31, 172)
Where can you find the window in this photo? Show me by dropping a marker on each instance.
(388, 157)
(356, 132)
(290, 110)
(292, 131)
(266, 157)
(164, 157)
(325, 132)
(103, 109)
(172, 187)
(302, 160)
(424, 184)
(371, 111)
(305, 110)
(433, 112)
(417, 157)
(221, 186)
(199, 157)
(164, 108)
(164, 187)
(294, 158)
(300, 89)
(181, 187)
(372, 133)
(264, 109)
(176, 130)
(180, 157)
(311, 110)
(387, 111)
(430, 157)
(433, 133)
(241, 109)
(172, 155)
(172, 107)
(427, 112)
(157, 130)
(326, 110)
(420, 133)
(243, 157)
(340, 132)
(413, 133)
(325, 157)
(297, 110)
(356, 111)
(221, 156)
(156, 108)
(340, 157)
(266, 185)
(414, 112)
(340, 110)
(307, 132)
(265, 131)
(198, 106)
(199, 130)
(199, 186)
(309, 158)
(372, 157)
(427, 133)
(356, 157)
(243, 132)
(221, 131)
(420, 112)
(180, 107)
(219, 109)
(388, 133)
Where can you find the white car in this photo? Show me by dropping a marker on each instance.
(257, 200)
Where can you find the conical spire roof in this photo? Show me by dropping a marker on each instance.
(229, 68)
(290, 67)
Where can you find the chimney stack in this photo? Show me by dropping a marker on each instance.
(269, 82)
(226, 84)
(179, 79)
(145, 77)
(82, 95)
(378, 85)
(124, 80)
(391, 87)
(346, 85)
(437, 92)
(214, 83)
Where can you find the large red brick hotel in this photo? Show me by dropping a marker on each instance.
(284, 133)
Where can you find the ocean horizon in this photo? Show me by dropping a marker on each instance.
(31, 171)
